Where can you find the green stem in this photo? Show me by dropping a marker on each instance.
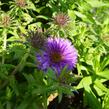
(45, 101)
(8, 105)
(4, 45)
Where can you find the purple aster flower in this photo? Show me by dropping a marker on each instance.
(58, 53)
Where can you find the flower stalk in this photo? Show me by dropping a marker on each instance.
(4, 45)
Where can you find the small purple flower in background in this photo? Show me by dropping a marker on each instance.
(58, 53)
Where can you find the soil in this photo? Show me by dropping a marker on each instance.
(69, 102)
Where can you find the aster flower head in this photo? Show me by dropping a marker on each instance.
(21, 3)
(58, 54)
(6, 20)
(61, 19)
(36, 39)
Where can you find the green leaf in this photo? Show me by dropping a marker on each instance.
(106, 101)
(51, 74)
(104, 74)
(31, 6)
(63, 73)
(29, 64)
(29, 78)
(8, 93)
(42, 17)
(91, 98)
(96, 63)
(96, 3)
(98, 91)
(87, 80)
(79, 14)
(13, 84)
(100, 86)
(23, 105)
(71, 14)
(105, 62)
(18, 49)
(60, 97)
(1, 106)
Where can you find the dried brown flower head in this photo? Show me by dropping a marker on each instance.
(6, 20)
(21, 3)
(36, 39)
(61, 19)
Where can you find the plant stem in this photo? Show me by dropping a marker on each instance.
(8, 105)
(4, 45)
(45, 101)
